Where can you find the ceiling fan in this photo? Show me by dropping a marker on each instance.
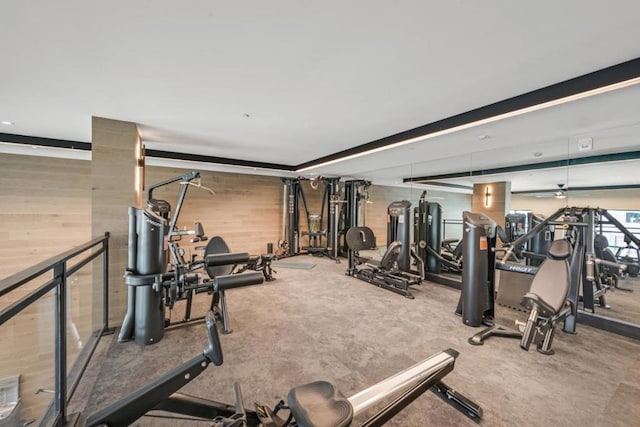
(560, 193)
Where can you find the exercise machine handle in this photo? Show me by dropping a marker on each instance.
(213, 350)
(620, 267)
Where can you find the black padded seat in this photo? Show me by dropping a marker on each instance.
(391, 255)
(551, 283)
(319, 404)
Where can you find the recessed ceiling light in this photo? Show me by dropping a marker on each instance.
(537, 154)
(483, 137)
(7, 123)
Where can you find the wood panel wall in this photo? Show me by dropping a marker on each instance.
(45, 210)
(246, 210)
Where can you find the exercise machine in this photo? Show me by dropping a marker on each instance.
(353, 211)
(629, 255)
(534, 250)
(223, 265)
(475, 305)
(158, 275)
(384, 273)
(440, 256)
(552, 291)
(318, 403)
(538, 246)
(398, 230)
(546, 302)
(607, 274)
(316, 230)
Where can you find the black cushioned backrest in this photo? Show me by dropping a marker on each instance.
(217, 246)
(601, 246)
(560, 249)
(502, 234)
(457, 252)
(551, 282)
(360, 239)
(600, 241)
(391, 255)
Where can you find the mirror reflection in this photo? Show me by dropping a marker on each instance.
(571, 188)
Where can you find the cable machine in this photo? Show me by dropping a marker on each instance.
(426, 232)
(399, 229)
(315, 231)
(355, 193)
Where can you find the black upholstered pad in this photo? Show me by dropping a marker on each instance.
(551, 282)
(600, 242)
(216, 246)
(360, 238)
(319, 404)
(391, 255)
(560, 249)
(603, 251)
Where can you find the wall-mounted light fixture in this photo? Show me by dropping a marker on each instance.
(487, 196)
(139, 169)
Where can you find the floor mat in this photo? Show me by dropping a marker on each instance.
(296, 265)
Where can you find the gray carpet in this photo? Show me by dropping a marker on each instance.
(321, 324)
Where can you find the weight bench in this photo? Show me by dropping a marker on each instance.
(546, 301)
(383, 273)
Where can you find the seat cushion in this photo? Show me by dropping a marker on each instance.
(560, 249)
(319, 404)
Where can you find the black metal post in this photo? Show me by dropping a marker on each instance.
(60, 351)
(105, 284)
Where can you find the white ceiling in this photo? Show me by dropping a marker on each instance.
(319, 77)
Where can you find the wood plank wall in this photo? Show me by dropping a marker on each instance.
(45, 210)
(246, 210)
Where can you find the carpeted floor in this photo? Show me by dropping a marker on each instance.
(320, 324)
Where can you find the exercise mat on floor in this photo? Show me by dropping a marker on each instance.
(296, 265)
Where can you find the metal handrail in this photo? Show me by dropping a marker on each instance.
(18, 279)
(58, 265)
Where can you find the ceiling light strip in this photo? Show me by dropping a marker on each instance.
(533, 108)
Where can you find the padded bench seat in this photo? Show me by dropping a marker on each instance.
(319, 404)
